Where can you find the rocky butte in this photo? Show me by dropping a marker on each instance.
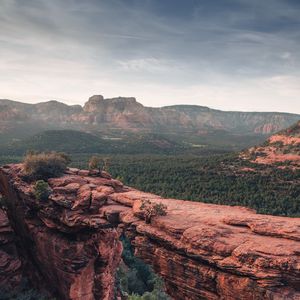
(69, 245)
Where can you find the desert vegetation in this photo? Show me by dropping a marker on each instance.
(45, 165)
(99, 163)
(219, 179)
(150, 209)
(135, 279)
(41, 190)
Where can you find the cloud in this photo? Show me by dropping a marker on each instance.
(200, 52)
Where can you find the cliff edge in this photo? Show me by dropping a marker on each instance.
(70, 242)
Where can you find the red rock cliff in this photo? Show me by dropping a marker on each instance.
(67, 250)
(10, 263)
(202, 251)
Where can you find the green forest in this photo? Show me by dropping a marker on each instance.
(216, 179)
(212, 178)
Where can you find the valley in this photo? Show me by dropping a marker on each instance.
(218, 178)
(248, 170)
(191, 167)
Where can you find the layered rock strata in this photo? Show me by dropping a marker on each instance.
(202, 251)
(67, 249)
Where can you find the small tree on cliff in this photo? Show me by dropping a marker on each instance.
(151, 210)
(97, 162)
(106, 164)
(41, 190)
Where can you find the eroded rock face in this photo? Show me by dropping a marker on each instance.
(67, 250)
(93, 103)
(10, 263)
(202, 251)
(206, 251)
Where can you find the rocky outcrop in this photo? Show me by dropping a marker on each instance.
(10, 263)
(66, 249)
(93, 103)
(282, 148)
(267, 128)
(202, 251)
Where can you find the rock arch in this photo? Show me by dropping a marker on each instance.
(70, 243)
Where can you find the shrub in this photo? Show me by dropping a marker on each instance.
(106, 163)
(41, 190)
(45, 165)
(150, 210)
(97, 162)
(94, 163)
(65, 156)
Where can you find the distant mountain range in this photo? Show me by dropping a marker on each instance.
(121, 116)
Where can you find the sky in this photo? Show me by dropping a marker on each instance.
(225, 54)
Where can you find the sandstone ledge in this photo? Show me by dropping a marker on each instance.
(202, 251)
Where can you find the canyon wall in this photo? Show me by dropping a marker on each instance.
(67, 252)
(70, 242)
(10, 263)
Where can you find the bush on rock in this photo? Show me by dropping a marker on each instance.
(41, 190)
(45, 165)
(150, 210)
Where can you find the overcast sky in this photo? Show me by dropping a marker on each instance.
(226, 54)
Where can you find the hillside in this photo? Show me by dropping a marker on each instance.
(73, 141)
(140, 161)
(282, 149)
(126, 115)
